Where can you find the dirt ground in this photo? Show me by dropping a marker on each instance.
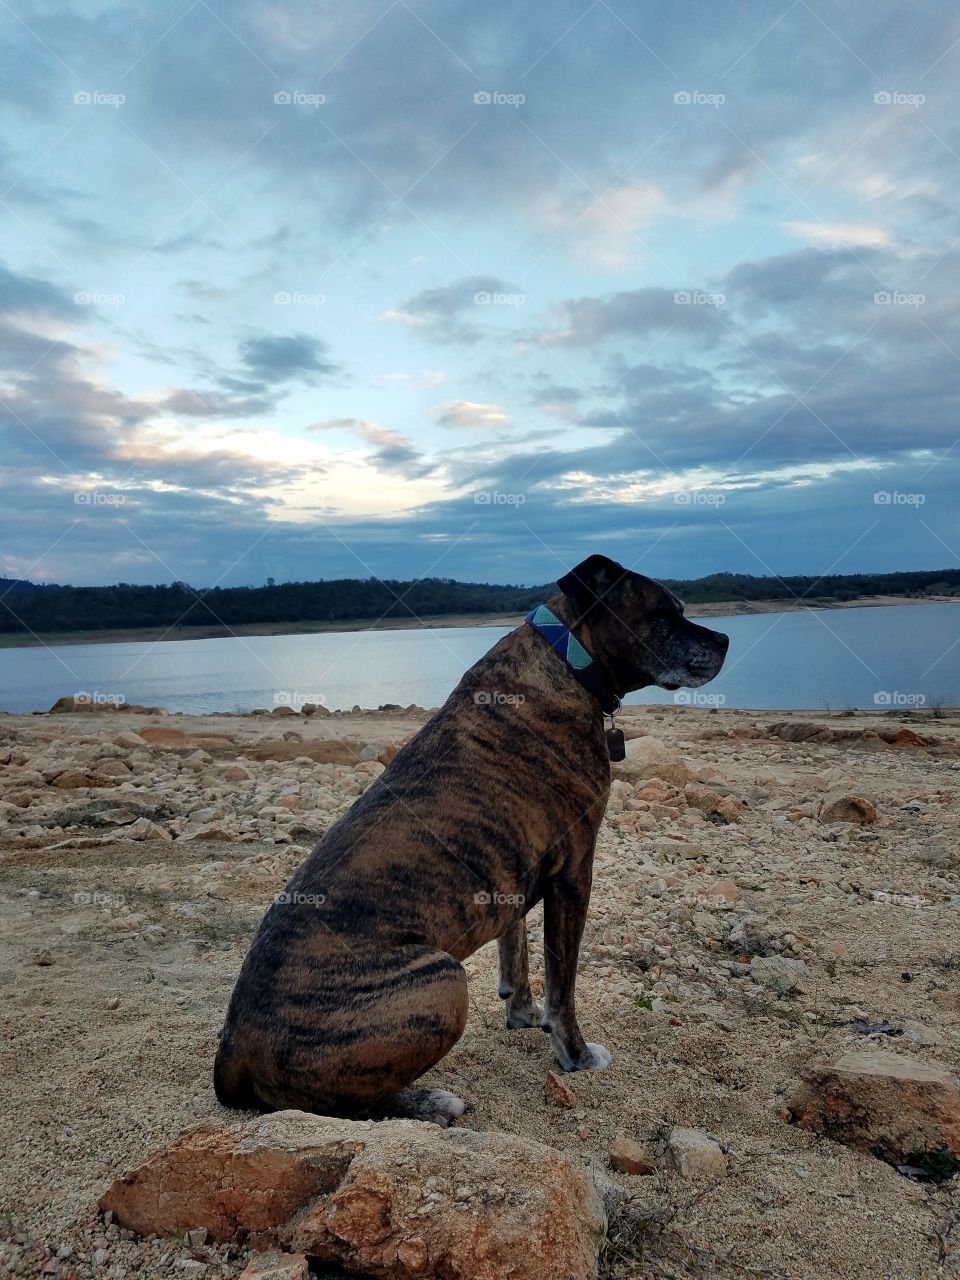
(132, 877)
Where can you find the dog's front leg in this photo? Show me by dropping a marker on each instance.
(565, 913)
(522, 1010)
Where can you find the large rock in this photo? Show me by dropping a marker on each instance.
(841, 806)
(893, 1106)
(650, 758)
(398, 1199)
(696, 1155)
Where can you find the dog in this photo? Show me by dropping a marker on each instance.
(353, 986)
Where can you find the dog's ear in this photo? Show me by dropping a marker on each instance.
(588, 583)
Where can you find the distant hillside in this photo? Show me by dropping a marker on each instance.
(29, 607)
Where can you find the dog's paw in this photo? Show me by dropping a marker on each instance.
(523, 1016)
(595, 1057)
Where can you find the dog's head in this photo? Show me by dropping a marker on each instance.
(635, 628)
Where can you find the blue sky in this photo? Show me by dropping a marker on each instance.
(414, 288)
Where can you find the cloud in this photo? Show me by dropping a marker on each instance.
(840, 233)
(583, 322)
(451, 313)
(280, 358)
(392, 451)
(188, 403)
(465, 413)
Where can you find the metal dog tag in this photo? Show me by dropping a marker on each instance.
(615, 744)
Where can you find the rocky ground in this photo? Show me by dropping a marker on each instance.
(769, 893)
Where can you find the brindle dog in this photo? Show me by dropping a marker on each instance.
(353, 985)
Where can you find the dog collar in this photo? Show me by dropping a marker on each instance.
(562, 640)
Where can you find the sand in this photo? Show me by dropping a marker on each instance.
(117, 956)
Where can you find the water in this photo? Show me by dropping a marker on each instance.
(894, 656)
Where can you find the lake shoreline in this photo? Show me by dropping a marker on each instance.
(133, 635)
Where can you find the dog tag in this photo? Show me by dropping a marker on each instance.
(615, 744)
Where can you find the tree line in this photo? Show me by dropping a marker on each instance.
(46, 608)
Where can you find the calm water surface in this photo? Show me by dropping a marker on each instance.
(812, 660)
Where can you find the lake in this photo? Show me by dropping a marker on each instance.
(898, 656)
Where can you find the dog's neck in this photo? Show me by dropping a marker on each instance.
(603, 689)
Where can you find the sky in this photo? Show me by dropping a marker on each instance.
(409, 288)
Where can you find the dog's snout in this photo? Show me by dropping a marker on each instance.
(722, 640)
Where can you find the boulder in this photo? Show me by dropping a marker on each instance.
(650, 758)
(398, 1199)
(728, 808)
(842, 806)
(895, 1107)
(630, 1156)
(696, 1155)
(778, 973)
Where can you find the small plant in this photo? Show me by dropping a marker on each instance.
(642, 1000)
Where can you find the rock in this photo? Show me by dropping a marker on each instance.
(907, 738)
(161, 736)
(650, 758)
(70, 779)
(695, 1155)
(724, 890)
(558, 1093)
(711, 802)
(281, 711)
(388, 752)
(236, 773)
(841, 806)
(778, 973)
(144, 829)
(352, 1193)
(314, 709)
(890, 1105)
(277, 1266)
(628, 1156)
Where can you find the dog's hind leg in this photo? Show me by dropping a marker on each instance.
(347, 1038)
(522, 1010)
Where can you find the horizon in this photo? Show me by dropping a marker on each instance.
(415, 290)
(468, 582)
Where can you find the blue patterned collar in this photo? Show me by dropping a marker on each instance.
(588, 672)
